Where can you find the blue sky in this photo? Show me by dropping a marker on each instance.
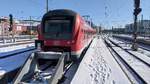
(105, 12)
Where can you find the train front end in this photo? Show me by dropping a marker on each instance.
(57, 31)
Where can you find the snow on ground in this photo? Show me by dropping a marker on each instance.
(5, 50)
(99, 67)
(10, 63)
(14, 62)
(3, 42)
(128, 45)
(139, 37)
(141, 53)
(142, 69)
(16, 42)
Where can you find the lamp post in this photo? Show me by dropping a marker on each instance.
(137, 10)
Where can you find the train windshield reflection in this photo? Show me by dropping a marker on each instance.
(58, 29)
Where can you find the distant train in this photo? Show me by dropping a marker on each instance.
(64, 30)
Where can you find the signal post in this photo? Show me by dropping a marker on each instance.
(137, 10)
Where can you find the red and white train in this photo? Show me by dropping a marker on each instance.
(64, 30)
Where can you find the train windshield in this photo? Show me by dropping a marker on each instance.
(58, 29)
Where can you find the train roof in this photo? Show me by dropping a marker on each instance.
(60, 12)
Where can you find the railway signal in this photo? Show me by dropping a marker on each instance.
(10, 22)
(137, 10)
(11, 27)
(136, 3)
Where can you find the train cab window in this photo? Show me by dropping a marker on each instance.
(58, 29)
(53, 26)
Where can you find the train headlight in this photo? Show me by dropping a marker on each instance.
(39, 46)
(68, 42)
(56, 43)
(73, 41)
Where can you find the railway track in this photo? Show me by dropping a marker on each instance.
(139, 40)
(133, 54)
(10, 71)
(142, 45)
(143, 49)
(16, 53)
(14, 44)
(51, 72)
(135, 69)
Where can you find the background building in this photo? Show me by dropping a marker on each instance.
(19, 26)
(142, 25)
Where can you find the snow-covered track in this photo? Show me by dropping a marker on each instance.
(17, 43)
(16, 53)
(139, 40)
(144, 48)
(138, 67)
(143, 45)
(147, 62)
(124, 67)
(142, 52)
(11, 61)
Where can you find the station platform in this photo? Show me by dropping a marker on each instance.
(99, 67)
